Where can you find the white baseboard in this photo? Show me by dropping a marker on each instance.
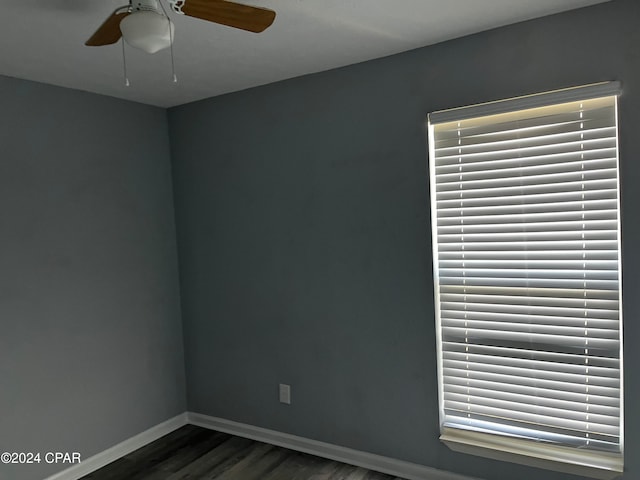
(399, 468)
(105, 457)
(391, 466)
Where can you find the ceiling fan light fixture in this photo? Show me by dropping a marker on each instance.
(147, 31)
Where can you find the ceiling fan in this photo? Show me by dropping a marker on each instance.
(144, 24)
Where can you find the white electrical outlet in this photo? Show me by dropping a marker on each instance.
(285, 394)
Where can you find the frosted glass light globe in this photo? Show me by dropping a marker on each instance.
(148, 31)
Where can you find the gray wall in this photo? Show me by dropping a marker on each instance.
(304, 233)
(90, 336)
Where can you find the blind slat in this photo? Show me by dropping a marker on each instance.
(602, 395)
(460, 376)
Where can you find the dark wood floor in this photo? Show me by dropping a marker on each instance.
(194, 453)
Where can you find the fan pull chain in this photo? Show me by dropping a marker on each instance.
(173, 66)
(124, 66)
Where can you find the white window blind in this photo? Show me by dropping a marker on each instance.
(526, 239)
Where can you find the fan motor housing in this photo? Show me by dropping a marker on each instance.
(145, 6)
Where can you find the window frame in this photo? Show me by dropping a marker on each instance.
(559, 458)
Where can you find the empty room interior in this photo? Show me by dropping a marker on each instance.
(253, 248)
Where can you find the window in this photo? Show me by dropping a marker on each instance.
(527, 279)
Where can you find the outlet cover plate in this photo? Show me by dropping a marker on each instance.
(285, 393)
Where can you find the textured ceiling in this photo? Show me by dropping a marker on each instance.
(43, 40)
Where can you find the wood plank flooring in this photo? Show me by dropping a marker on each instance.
(195, 453)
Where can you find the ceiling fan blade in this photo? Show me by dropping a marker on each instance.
(109, 32)
(245, 17)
